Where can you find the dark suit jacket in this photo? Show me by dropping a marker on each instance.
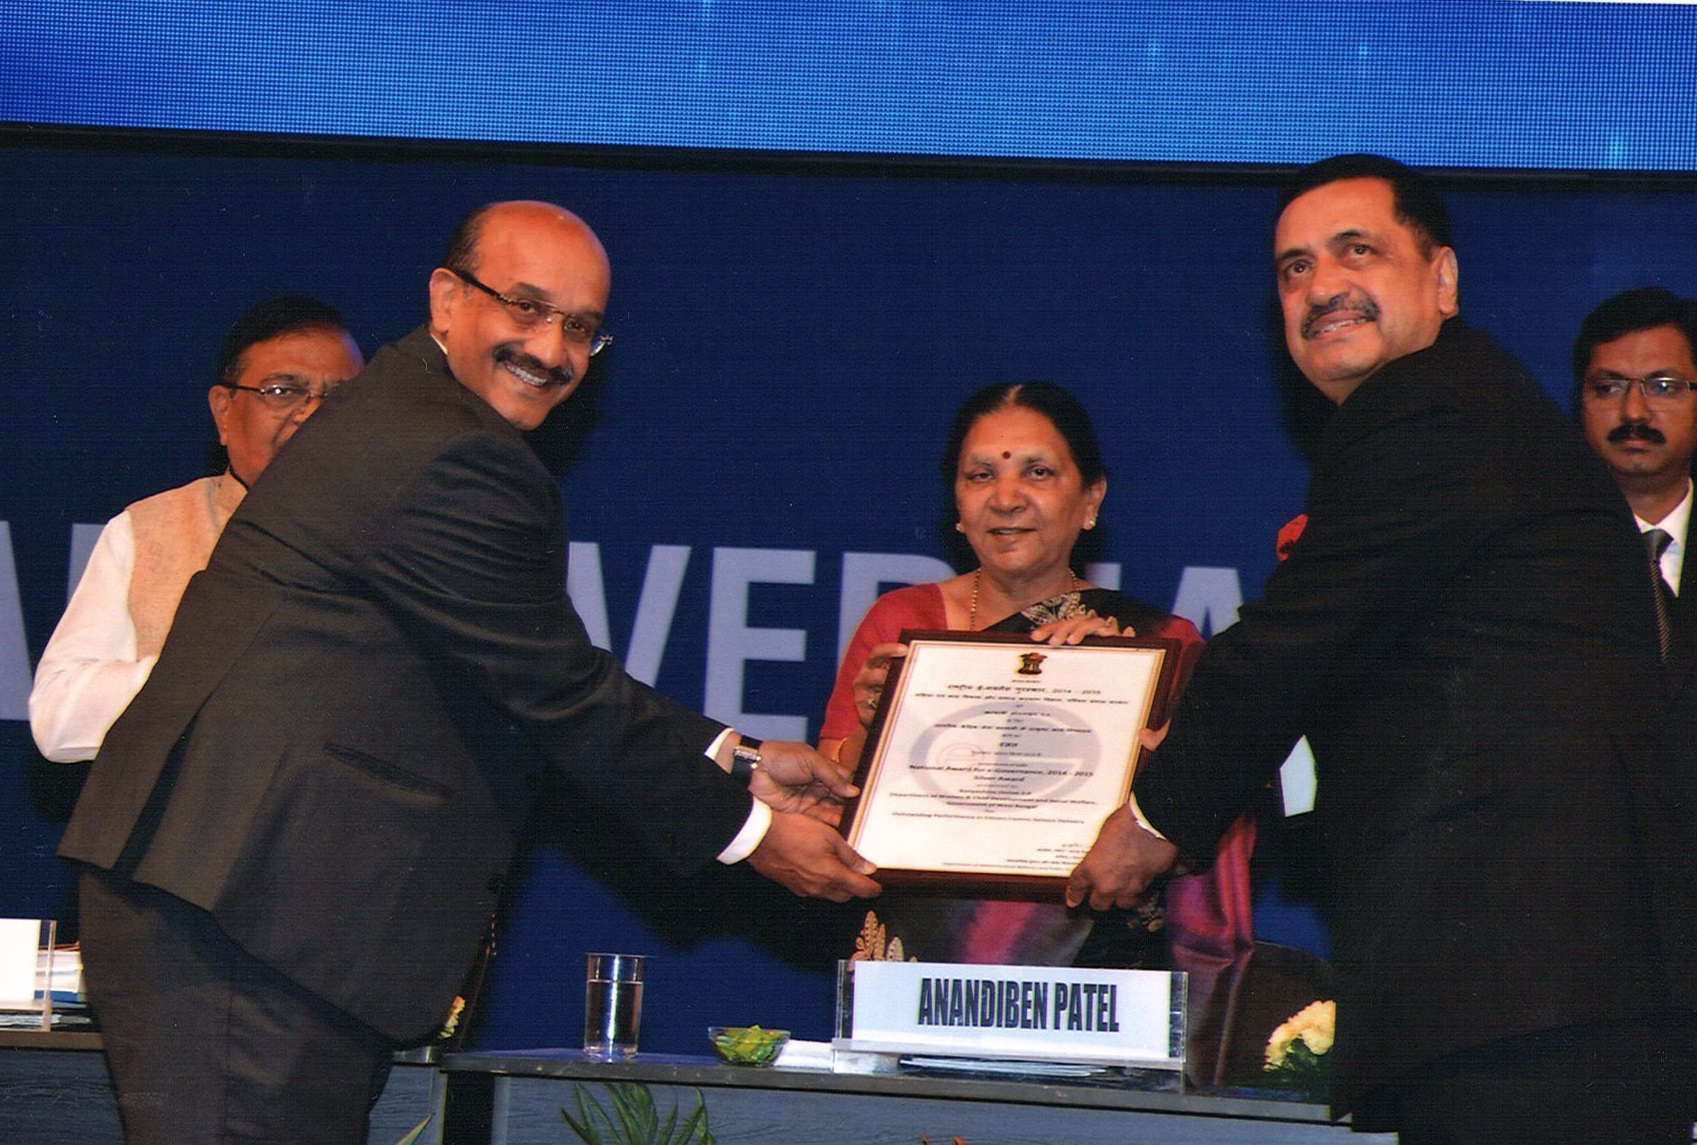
(1682, 612)
(331, 755)
(1671, 803)
(1466, 635)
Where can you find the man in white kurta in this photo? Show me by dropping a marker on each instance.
(277, 363)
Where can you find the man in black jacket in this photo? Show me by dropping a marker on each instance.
(1634, 367)
(295, 837)
(1465, 633)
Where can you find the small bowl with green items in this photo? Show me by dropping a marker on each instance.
(747, 1045)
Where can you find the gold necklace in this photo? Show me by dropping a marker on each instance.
(978, 574)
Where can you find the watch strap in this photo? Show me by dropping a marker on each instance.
(745, 757)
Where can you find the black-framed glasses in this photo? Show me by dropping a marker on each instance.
(1657, 388)
(529, 314)
(281, 396)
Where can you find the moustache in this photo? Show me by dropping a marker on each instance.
(530, 364)
(1637, 431)
(1363, 306)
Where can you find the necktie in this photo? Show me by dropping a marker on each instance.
(1656, 542)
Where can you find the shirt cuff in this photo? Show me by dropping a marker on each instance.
(1137, 814)
(718, 743)
(753, 831)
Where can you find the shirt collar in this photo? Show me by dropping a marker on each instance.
(1677, 525)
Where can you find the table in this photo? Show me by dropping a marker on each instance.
(514, 1098)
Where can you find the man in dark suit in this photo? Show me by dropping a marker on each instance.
(1465, 633)
(1634, 369)
(294, 839)
(1633, 374)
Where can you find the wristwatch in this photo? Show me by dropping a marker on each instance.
(745, 757)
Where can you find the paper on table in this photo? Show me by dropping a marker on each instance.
(805, 1055)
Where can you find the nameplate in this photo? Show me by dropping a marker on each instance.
(1029, 1013)
(20, 943)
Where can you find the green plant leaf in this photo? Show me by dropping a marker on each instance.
(664, 1136)
(697, 1123)
(635, 1118)
(587, 1108)
(415, 1131)
(634, 1102)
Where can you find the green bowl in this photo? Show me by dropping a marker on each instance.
(747, 1045)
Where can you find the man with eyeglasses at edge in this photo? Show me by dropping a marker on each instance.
(1633, 373)
(1465, 632)
(303, 822)
(277, 363)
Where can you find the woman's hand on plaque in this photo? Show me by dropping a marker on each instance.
(869, 681)
(1075, 628)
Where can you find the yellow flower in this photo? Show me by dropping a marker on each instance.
(451, 1023)
(1315, 1025)
(1318, 1025)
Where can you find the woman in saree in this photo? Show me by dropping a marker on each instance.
(1028, 478)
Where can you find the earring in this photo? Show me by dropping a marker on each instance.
(959, 527)
(1090, 524)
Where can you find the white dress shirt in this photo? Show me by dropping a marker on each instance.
(1676, 525)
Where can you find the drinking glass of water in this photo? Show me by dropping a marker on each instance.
(612, 1002)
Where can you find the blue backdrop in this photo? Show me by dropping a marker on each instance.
(1460, 83)
(791, 341)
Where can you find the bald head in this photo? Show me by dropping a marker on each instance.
(461, 252)
(521, 291)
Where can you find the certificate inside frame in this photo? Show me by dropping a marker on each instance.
(992, 760)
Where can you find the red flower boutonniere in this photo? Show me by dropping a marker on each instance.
(1288, 535)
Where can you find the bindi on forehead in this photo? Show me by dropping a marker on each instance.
(1006, 454)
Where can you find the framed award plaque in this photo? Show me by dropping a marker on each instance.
(993, 760)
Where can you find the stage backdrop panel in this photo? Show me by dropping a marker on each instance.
(1460, 83)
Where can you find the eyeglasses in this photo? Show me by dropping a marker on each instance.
(1658, 389)
(529, 314)
(281, 397)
